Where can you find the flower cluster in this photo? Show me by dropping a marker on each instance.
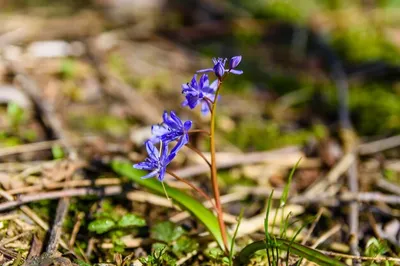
(219, 67)
(199, 93)
(172, 128)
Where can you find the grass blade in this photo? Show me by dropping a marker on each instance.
(231, 251)
(190, 204)
(297, 249)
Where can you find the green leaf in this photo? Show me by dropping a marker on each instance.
(130, 220)
(297, 249)
(57, 151)
(231, 251)
(184, 245)
(82, 263)
(214, 253)
(15, 113)
(160, 255)
(101, 226)
(203, 214)
(166, 232)
(68, 69)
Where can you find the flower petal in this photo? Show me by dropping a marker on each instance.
(151, 174)
(143, 166)
(170, 157)
(187, 125)
(219, 70)
(152, 151)
(234, 62)
(214, 85)
(164, 152)
(190, 91)
(185, 103)
(181, 142)
(171, 136)
(236, 72)
(162, 174)
(192, 101)
(177, 121)
(158, 130)
(193, 82)
(204, 108)
(205, 70)
(203, 81)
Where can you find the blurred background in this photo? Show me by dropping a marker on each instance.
(295, 56)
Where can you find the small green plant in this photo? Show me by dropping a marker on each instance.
(115, 227)
(377, 248)
(159, 256)
(217, 256)
(15, 114)
(276, 247)
(57, 152)
(173, 243)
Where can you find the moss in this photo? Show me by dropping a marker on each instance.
(287, 10)
(228, 178)
(110, 125)
(264, 135)
(365, 43)
(374, 109)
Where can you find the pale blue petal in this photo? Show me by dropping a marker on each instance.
(152, 151)
(236, 72)
(187, 125)
(154, 173)
(162, 174)
(204, 108)
(143, 166)
(205, 70)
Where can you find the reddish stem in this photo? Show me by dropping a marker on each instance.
(199, 153)
(199, 190)
(209, 103)
(214, 178)
(199, 131)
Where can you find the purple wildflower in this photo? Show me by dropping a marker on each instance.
(172, 128)
(157, 161)
(219, 66)
(199, 92)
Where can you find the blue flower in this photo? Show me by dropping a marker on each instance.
(157, 161)
(219, 66)
(199, 92)
(172, 128)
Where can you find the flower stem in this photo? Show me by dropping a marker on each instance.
(199, 190)
(209, 103)
(199, 131)
(214, 178)
(198, 153)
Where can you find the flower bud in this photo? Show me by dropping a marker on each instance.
(219, 70)
(234, 62)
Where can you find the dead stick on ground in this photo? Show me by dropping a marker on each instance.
(349, 138)
(367, 197)
(31, 214)
(309, 232)
(53, 123)
(66, 193)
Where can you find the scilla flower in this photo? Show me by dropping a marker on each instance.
(199, 92)
(219, 66)
(172, 128)
(157, 161)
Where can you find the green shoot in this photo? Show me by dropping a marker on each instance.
(231, 251)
